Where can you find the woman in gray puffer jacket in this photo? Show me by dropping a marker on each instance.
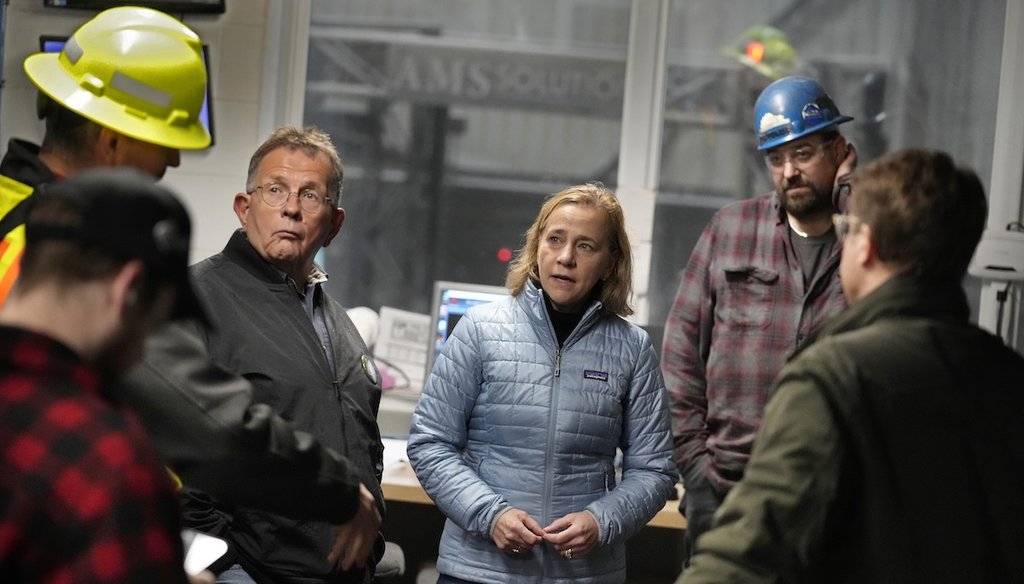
(516, 433)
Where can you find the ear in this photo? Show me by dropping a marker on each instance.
(124, 288)
(107, 143)
(337, 220)
(862, 246)
(241, 206)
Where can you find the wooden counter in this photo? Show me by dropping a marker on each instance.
(400, 484)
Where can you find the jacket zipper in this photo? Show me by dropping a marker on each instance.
(548, 465)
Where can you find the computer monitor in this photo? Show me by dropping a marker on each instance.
(169, 6)
(55, 44)
(451, 300)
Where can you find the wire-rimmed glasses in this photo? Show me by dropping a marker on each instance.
(843, 224)
(802, 157)
(276, 195)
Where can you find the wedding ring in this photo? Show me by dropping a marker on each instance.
(516, 550)
(568, 554)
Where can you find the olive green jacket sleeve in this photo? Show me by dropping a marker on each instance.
(770, 525)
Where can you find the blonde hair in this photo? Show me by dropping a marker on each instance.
(617, 288)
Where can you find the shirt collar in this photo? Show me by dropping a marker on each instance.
(316, 277)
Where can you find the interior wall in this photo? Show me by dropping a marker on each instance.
(207, 180)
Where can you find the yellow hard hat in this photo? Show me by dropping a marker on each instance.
(134, 70)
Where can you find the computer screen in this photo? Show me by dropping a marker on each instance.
(170, 6)
(451, 301)
(55, 44)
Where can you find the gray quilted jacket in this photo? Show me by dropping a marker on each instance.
(508, 419)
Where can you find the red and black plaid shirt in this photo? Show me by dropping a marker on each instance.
(83, 496)
(741, 311)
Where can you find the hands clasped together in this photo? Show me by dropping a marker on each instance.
(572, 536)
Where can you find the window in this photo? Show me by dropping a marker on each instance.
(454, 118)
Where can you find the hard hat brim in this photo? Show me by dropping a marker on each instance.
(47, 74)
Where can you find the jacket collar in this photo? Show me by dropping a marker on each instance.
(239, 250)
(904, 296)
(23, 165)
(38, 355)
(532, 301)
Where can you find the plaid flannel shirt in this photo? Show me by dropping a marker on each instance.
(83, 497)
(740, 312)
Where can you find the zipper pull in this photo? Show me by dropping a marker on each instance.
(558, 362)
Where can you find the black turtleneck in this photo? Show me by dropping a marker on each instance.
(564, 322)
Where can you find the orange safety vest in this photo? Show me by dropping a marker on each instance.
(12, 192)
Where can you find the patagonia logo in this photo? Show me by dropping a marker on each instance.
(598, 375)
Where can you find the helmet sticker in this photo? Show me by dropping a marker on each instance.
(140, 90)
(773, 126)
(770, 120)
(72, 50)
(812, 114)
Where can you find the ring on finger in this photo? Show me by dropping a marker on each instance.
(516, 550)
(567, 553)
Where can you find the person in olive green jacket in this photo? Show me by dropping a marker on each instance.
(892, 449)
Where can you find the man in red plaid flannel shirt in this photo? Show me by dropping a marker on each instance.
(761, 281)
(83, 496)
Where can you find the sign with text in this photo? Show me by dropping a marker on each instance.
(443, 71)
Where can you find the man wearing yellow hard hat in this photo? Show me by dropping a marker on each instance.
(127, 90)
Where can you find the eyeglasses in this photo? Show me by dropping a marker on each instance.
(276, 195)
(801, 158)
(843, 224)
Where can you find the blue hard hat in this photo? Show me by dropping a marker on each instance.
(791, 108)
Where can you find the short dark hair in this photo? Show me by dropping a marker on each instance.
(67, 132)
(926, 212)
(310, 140)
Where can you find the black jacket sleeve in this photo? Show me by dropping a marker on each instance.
(206, 427)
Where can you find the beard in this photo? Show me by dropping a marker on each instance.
(804, 200)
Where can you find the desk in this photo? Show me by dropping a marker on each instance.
(400, 484)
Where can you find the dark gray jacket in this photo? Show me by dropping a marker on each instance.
(261, 332)
(212, 434)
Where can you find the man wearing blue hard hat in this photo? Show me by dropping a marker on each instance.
(760, 283)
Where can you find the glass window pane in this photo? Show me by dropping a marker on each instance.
(921, 73)
(454, 119)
